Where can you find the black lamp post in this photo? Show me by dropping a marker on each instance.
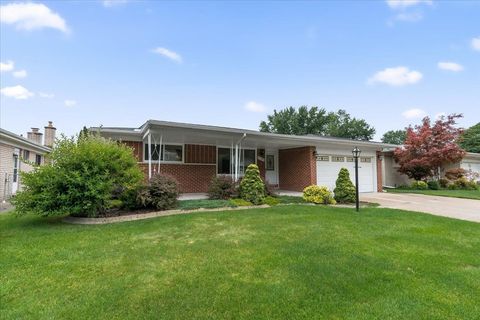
(356, 154)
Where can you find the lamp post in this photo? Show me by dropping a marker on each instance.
(356, 153)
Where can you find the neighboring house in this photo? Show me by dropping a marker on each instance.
(19, 154)
(194, 153)
(392, 178)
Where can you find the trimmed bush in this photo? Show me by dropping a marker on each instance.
(161, 193)
(433, 185)
(419, 185)
(238, 202)
(221, 188)
(465, 184)
(271, 201)
(443, 182)
(79, 179)
(318, 195)
(252, 188)
(455, 173)
(344, 189)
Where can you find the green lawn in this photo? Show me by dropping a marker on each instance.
(281, 262)
(467, 194)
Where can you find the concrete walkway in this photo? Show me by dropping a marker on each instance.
(463, 209)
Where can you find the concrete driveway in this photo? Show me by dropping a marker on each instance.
(463, 209)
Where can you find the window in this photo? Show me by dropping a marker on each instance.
(364, 159)
(323, 158)
(225, 160)
(38, 159)
(350, 159)
(270, 164)
(26, 155)
(166, 152)
(338, 159)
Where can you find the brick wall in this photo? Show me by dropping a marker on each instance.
(191, 177)
(379, 172)
(297, 168)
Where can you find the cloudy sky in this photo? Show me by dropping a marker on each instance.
(119, 63)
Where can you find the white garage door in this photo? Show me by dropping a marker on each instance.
(474, 166)
(327, 171)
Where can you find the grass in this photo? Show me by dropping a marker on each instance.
(203, 203)
(280, 262)
(466, 194)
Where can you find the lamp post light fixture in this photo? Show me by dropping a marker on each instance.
(356, 154)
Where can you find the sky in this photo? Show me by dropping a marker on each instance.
(120, 63)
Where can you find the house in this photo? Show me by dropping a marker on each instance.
(19, 154)
(194, 153)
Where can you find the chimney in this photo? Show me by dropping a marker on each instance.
(49, 134)
(35, 136)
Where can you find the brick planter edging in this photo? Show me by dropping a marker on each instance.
(149, 215)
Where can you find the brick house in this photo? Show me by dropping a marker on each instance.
(194, 153)
(19, 154)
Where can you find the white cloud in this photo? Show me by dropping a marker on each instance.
(409, 16)
(476, 43)
(16, 92)
(450, 66)
(46, 95)
(70, 103)
(30, 16)
(20, 74)
(169, 54)
(7, 66)
(414, 114)
(401, 4)
(254, 106)
(113, 3)
(397, 76)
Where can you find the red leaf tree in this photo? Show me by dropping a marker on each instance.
(429, 147)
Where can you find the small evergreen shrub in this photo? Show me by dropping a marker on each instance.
(318, 194)
(344, 189)
(252, 188)
(443, 182)
(433, 185)
(465, 184)
(239, 202)
(419, 185)
(455, 173)
(162, 192)
(271, 201)
(221, 188)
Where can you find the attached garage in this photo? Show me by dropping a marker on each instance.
(329, 163)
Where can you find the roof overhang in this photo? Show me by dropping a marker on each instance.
(17, 141)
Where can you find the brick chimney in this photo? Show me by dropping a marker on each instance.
(49, 134)
(35, 135)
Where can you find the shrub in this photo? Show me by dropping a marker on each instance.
(433, 185)
(452, 186)
(252, 188)
(419, 185)
(271, 201)
(318, 195)
(239, 202)
(221, 188)
(443, 182)
(161, 193)
(344, 189)
(465, 184)
(455, 173)
(79, 179)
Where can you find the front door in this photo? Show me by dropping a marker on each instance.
(271, 167)
(15, 174)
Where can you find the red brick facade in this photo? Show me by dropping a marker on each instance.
(379, 172)
(297, 168)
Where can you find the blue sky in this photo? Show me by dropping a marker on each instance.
(119, 63)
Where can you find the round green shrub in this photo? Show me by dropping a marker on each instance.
(162, 192)
(252, 188)
(79, 178)
(344, 189)
(443, 182)
(433, 185)
(318, 194)
(419, 185)
(465, 184)
(271, 201)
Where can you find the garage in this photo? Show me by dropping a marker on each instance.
(328, 166)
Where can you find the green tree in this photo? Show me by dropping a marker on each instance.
(394, 136)
(344, 189)
(80, 179)
(314, 120)
(83, 133)
(470, 139)
(251, 187)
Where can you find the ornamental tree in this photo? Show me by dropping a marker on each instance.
(427, 147)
